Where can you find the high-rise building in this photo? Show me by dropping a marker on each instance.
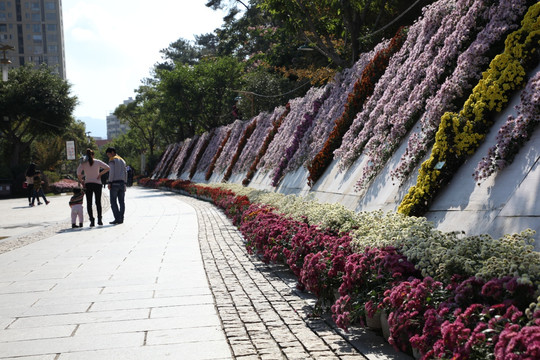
(114, 127)
(34, 29)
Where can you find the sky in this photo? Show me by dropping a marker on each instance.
(111, 45)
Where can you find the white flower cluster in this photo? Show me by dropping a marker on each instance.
(532, 309)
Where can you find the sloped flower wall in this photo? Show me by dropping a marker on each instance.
(211, 149)
(265, 123)
(285, 135)
(502, 18)
(459, 135)
(405, 89)
(514, 133)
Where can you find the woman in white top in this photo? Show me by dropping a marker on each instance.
(93, 169)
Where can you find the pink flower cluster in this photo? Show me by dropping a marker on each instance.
(198, 152)
(298, 136)
(237, 129)
(332, 108)
(182, 156)
(213, 145)
(405, 68)
(264, 124)
(431, 59)
(285, 135)
(169, 161)
(159, 170)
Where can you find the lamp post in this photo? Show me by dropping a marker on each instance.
(5, 61)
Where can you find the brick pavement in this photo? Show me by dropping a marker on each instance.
(263, 314)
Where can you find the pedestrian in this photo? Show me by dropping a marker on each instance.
(117, 185)
(93, 170)
(104, 179)
(30, 172)
(129, 170)
(76, 204)
(38, 189)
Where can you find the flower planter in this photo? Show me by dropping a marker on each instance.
(416, 353)
(374, 322)
(384, 325)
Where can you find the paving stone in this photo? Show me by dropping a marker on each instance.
(243, 349)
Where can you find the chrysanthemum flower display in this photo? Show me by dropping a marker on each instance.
(404, 69)
(188, 153)
(217, 153)
(298, 136)
(285, 134)
(339, 88)
(459, 135)
(514, 133)
(163, 162)
(211, 149)
(439, 59)
(420, 276)
(502, 18)
(175, 160)
(198, 152)
(264, 125)
(223, 161)
(363, 88)
(276, 124)
(183, 155)
(248, 130)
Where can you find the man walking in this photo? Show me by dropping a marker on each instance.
(117, 185)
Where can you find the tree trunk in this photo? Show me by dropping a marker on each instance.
(17, 148)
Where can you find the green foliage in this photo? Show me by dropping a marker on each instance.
(34, 102)
(268, 86)
(200, 97)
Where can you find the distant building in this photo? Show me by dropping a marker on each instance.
(101, 143)
(35, 30)
(114, 127)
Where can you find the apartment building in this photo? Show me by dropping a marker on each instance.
(114, 127)
(34, 29)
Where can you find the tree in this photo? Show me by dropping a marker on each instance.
(143, 117)
(49, 151)
(181, 51)
(34, 102)
(200, 97)
(340, 29)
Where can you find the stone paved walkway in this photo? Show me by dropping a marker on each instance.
(174, 281)
(263, 316)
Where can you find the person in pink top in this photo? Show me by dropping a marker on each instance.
(92, 169)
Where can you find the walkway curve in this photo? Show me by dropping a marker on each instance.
(174, 281)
